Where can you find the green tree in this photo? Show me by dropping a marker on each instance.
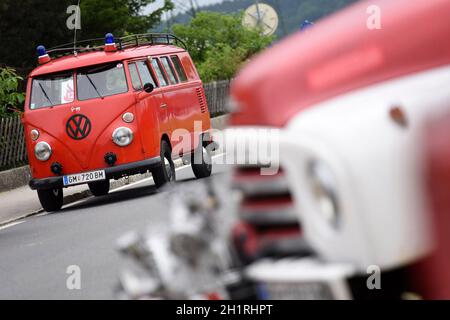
(219, 43)
(9, 97)
(25, 24)
(118, 16)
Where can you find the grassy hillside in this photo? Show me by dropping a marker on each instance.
(292, 12)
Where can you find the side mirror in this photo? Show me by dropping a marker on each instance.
(148, 87)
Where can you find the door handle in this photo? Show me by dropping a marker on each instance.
(163, 106)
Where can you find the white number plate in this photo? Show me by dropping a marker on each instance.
(84, 177)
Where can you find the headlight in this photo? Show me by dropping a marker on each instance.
(122, 136)
(323, 187)
(42, 151)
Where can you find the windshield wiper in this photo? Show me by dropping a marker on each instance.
(45, 94)
(93, 85)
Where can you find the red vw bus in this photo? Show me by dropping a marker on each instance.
(108, 108)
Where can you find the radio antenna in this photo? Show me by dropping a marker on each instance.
(77, 17)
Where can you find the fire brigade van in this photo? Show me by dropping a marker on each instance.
(349, 105)
(109, 108)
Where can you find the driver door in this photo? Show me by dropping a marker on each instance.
(152, 115)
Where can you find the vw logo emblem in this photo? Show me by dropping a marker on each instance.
(78, 127)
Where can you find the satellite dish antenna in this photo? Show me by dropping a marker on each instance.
(263, 16)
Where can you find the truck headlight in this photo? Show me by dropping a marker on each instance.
(42, 151)
(122, 136)
(324, 191)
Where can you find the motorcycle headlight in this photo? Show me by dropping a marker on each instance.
(324, 190)
(42, 151)
(122, 136)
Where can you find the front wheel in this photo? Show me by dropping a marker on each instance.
(51, 199)
(166, 172)
(201, 163)
(99, 188)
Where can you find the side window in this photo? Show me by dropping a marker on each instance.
(178, 66)
(135, 80)
(144, 71)
(159, 73)
(169, 70)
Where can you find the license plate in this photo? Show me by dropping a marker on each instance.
(84, 177)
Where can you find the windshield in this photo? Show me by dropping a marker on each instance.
(101, 81)
(52, 90)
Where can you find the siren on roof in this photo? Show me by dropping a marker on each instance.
(306, 25)
(110, 45)
(43, 57)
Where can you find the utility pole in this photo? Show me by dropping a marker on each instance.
(169, 17)
(258, 13)
(280, 14)
(194, 12)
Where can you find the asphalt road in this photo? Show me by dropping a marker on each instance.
(35, 254)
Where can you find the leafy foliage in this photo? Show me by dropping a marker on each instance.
(219, 44)
(118, 16)
(9, 97)
(25, 24)
(291, 12)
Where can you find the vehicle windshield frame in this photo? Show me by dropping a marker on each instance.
(89, 79)
(74, 73)
(45, 95)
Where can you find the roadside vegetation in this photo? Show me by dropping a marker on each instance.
(219, 44)
(10, 98)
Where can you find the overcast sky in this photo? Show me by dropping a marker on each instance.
(180, 5)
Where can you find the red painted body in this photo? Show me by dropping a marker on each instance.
(157, 114)
(340, 54)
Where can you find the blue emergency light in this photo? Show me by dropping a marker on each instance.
(110, 45)
(43, 57)
(41, 51)
(306, 24)
(109, 38)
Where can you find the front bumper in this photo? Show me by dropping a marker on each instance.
(114, 172)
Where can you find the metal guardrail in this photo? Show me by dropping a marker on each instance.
(12, 142)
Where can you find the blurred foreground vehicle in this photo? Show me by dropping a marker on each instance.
(350, 106)
(346, 216)
(188, 259)
(110, 108)
(432, 275)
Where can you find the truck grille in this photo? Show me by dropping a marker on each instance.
(268, 223)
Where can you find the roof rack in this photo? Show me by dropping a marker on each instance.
(122, 43)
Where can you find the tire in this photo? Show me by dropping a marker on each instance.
(201, 163)
(166, 172)
(100, 188)
(51, 199)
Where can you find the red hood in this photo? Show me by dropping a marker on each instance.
(341, 54)
(100, 112)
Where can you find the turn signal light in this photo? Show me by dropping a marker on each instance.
(34, 134)
(128, 117)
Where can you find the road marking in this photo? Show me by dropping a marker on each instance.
(77, 202)
(12, 224)
(151, 178)
(132, 184)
